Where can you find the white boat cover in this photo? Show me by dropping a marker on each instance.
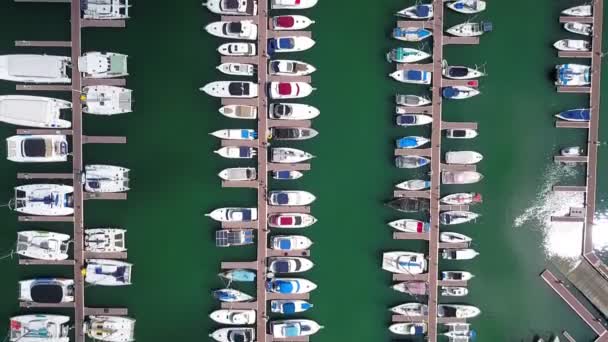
(34, 111)
(35, 68)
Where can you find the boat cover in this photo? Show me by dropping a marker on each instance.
(285, 88)
(244, 152)
(419, 330)
(240, 336)
(292, 330)
(282, 198)
(230, 4)
(415, 75)
(238, 88)
(283, 175)
(285, 21)
(287, 43)
(46, 293)
(457, 71)
(422, 10)
(281, 266)
(406, 119)
(33, 110)
(282, 286)
(35, 147)
(288, 308)
(407, 142)
(286, 221)
(285, 244)
(246, 214)
(245, 134)
(234, 27)
(450, 92)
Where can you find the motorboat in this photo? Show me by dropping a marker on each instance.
(289, 306)
(578, 11)
(107, 100)
(238, 174)
(291, 220)
(292, 133)
(463, 157)
(411, 100)
(470, 29)
(234, 334)
(456, 275)
(244, 29)
(235, 134)
(572, 75)
(460, 177)
(44, 199)
(287, 155)
(290, 285)
(103, 65)
(37, 148)
(459, 254)
(239, 112)
(572, 45)
(409, 204)
(454, 291)
(290, 242)
(239, 275)
(412, 76)
(237, 49)
(411, 309)
(105, 9)
(289, 67)
(231, 296)
(406, 55)
(289, 90)
(290, 197)
(411, 142)
(457, 329)
(404, 262)
(105, 240)
(232, 7)
(110, 328)
(413, 288)
(234, 238)
(408, 329)
(46, 290)
(289, 44)
(411, 162)
(292, 4)
(414, 185)
(472, 336)
(579, 114)
(39, 327)
(457, 217)
(423, 11)
(459, 92)
(237, 152)
(286, 175)
(232, 89)
(234, 214)
(457, 311)
(450, 237)
(289, 264)
(407, 120)
(290, 22)
(293, 327)
(105, 178)
(467, 6)
(43, 245)
(579, 28)
(108, 272)
(410, 226)
(292, 111)
(233, 316)
(35, 68)
(572, 151)
(236, 69)
(34, 111)
(411, 34)
(462, 198)
(460, 72)
(460, 133)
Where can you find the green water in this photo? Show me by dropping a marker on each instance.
(174, 182)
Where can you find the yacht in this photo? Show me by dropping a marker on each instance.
(46, 290)
(34, 111)
(232, 7)
(43, 245)
(103, 65)
(44, 199)
(104, 9)
(39, 328)
(107, 100)
(108, 272)
(35, 68)
(110, 328)
(105, 240)
(37, 148)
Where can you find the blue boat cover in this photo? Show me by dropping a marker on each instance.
(289, 308)
(422, 10)
(281, 266)
(282, 198)
(449, 92)
(245, 133)
(246, 214)
(577, 114)
(406, 119)
(459, 5)
(285, 244)
(418, 330)
(407, 142)
(292, 331)
(244, 152)
(224, 295)
(283, 175)
(242, 275)
(415, 75)
(286, 43)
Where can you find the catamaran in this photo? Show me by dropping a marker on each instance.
(37, 148)
(108, 272)
(233, 7)
(39, 327)
(105, 178)
(404, 262)
(105, 9)
(105, 240)
(106, 100)
(34, 111)
(44, 199)
(110, 328)
(46, 290)
(43, 245)
(103, 65)
(35, 68)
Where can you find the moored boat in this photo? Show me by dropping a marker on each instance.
(470, 29)
(411, 34)
(571, 151)
(457, 133)
(289, 67)
(456, 275)
(106, 100)
(411, 162)
(404, 262)
(412, 76)
(408, 329)
(110, 328)
(290, 242)
(244, 29)
(105, 178)
(460, 177)
(462, 198)
(450, 237)
(37, 148)
(454, 291)
(239, 275)
(292, 111)
(572, 45)
(579, 28)
(580, 114)
(459, 92)
(457, 217)
(463, 157)
(237, 152)
(103, 65)
(236, 69)
(289, 44)
(286, 175)
(406, 55)
(232, 89)
(578, 11)
(293, 327)
(39, 327)
(460, 72)
(291, 220)
(406, 120)
(42, 245)
(105, 9)
(34, 111)
(410, 226)
(290, 197)
(411, 100)
(411, 142)
(234, 334)
(232, 7)
(239, 111)
(46, 290)
(459, 254)
(233, 238)
(292, 4)
(287, 155)
(467, 6)
(409, 204)
(289, 90)
(572, 75)
(35, 68)
(235, 134)
(232, 214)
(105, 240)
(238, 174)
(414, 185)
(233, 316)
(457, 311)
(422, 11)
(237, 49)
(290, 22)
(289, 306)
(44, 199)
(411, 309)
(231, 296)
(292, 133)
(289, 264)
(290, 285)
(108, 272)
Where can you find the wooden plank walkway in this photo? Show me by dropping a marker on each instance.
(415, 110)
(460, 40)
(43, 43)
(410, 236)
(415, 23)
(459, 125)
(410, 193)
(574, 89)
(584, 20)
(570, 124)
(574, 54)
(574, 188)
(423, 152)
(570, 159)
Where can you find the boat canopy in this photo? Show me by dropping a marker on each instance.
(282, 286)
(281, 266)
(282, 198)
(415, 75)
(238, 88)
(292, 330)
(244, 152)
(450, 92)
(422, 10)
(285, 21)
(406, 119)
(46, 293)
(285, 88)
(285, 244)
(458, 71)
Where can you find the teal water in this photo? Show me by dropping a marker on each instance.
(174, 170)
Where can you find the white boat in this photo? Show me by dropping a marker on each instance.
(293, 327)
(413, 288)
(231, 296)
(103, 65)
(450, 237)
(459, 92)
(286, 286)
(46, 290)
(289, 90)
(291, 220)
(292, 111)
(108, 272)
(292, 4)
(457, 311)
(233, 316)
(407, 120)
(578, 11)
(411, 101)
(460, 133)
(470, 29)
(105, 240)
(408, 329)
(234, 214)
(234, 89)
(410, 226)
(44, 199)
(232, 7)
(43, 245)
(237, 49)
(414, 185)
(467, 6)
(235, 134)
(290, 197)
(33, 111)
(463, 157)
(412, 76)
(287, 155)
(404, 262)
(290, 22)
(289, 67)
(35, 68)
(572, 75)
(105, 178)
(291, 133)
(411, 33)
(107, 100)
(462, 198)
(411, 142)
(457, 217)
(244, 29)
(286, 175)
(579, 28)
(423, 11)
(234, 334)
(289, 264)
(105, 9)
(460, 177)
(239, 112)
(456, 275)
(289, 44)
(237, 69)
(410, 309)
(460, 72)
(459, 254)
(236, 152)
(454, 291)
(238, 174)
(289, 306)
(110, 328)
(39, 328)
(572, 45)
(290, 242)
(37, 148)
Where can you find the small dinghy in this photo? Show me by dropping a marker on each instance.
(233, 316)
(288, 155)
(467, 6)
(289, 265)
(289, 44)
(292, 111)
(291, 220)
(454, 291)
(407, 120)
(411, 142)
(236, 69)
(46, 290)
(238, 174)
(458, 92)
(412, 76)
(289, 133)
(290, 285)
(103, 65)
(410, 226)
(470, 29)
(236, 152)
(106, 100)
(108, 272)
(290, 197)
(110, 328)
(231, 296)
(572, 75)
(459, 254)
(239, 275)
(290, 243)
(289, 306)
(234, 214)
(457, 217)
(288, 67)
(290, 22)
(414, 185)
(37, 148)
(105, 178)
(237, 49)
(408, 329)
(411, 309)
(572, 151)
(463, 157)
(292, 4)
(232, 89)
(44, 199)
(235, 334)
(34, 111)
(105, 240)
(460, 177)
(411, 162)
(413, 288)
(239, 112)
(424, 11)
(232, 7)
(404, 262)
(409, 204)
(234, 238)
(235, 134)
(286, 175)
(579, 28)
(411, 100)
(411, 34)
(456, 275)
(460, 72)
(39, 327)
(293, 327)
(457, 133)
(462, 198)
(449, 237)
(578, 11)
(581, 115)
(244, 29)
(289, 90)
(406, 55)
(42, 245)
(572, 45)
(457, 311)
